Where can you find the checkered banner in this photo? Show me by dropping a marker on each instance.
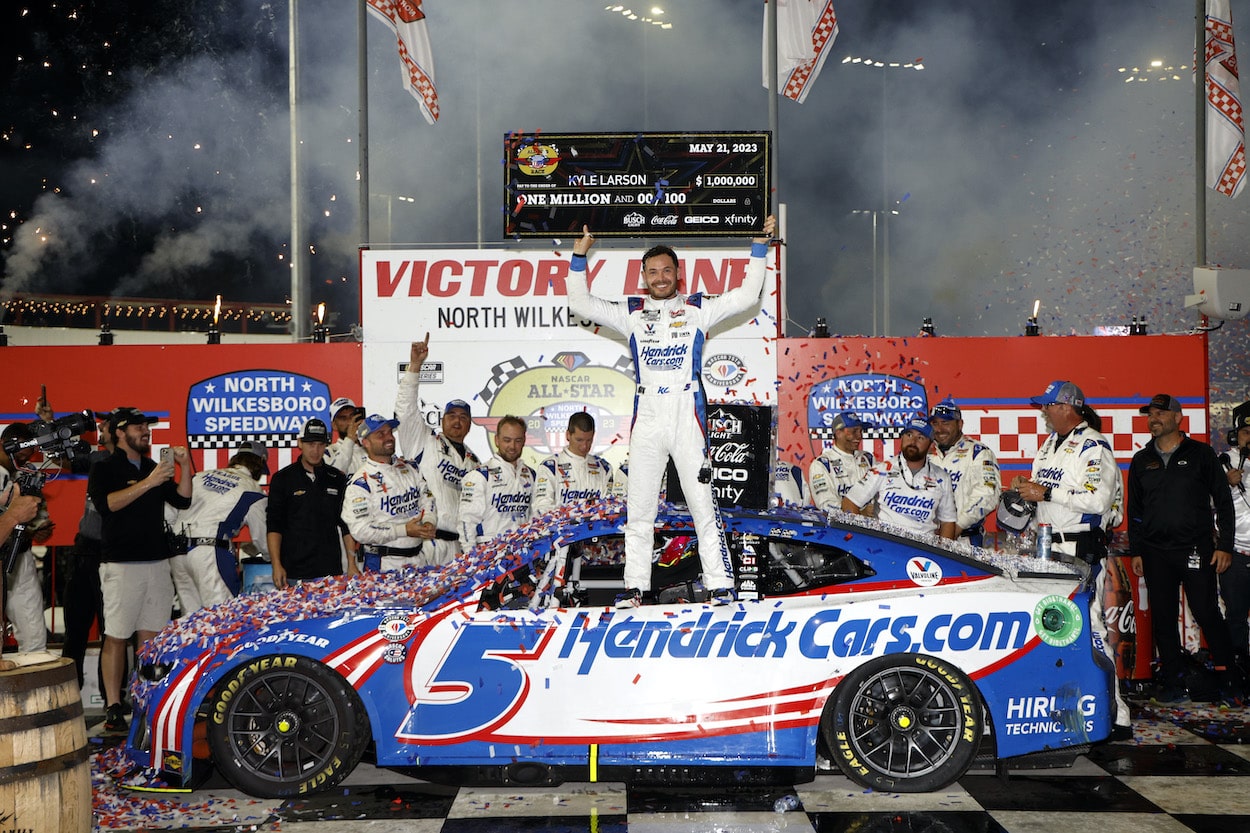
(1226, 132)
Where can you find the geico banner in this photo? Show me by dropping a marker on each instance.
(499, 316)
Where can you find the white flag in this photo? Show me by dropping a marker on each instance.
(1226, 134)
(805, 31)
(407, 20)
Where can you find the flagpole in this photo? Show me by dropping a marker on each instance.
(300, 309)
(362, 115)
(773, 121)
(1200, 133)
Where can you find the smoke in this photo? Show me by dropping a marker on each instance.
(1021, 163)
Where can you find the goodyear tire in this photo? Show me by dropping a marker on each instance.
(904, 723)
(286, 725)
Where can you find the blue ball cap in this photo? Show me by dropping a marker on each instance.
(846, 419)
(920, 425)
(946, 409)
(1060, 392)
(458, 403)
(372, 423)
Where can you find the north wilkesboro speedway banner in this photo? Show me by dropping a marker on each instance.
(502, 338)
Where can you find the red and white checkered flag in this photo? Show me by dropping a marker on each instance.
(407, 20)
(1226, 133)
(806, 30)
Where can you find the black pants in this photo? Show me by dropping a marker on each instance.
(1166, 573)
(83, 602)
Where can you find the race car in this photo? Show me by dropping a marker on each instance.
(900, 659)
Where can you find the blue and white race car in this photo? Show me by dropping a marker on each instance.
(899, 659)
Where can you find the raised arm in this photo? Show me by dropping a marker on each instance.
(610, 314)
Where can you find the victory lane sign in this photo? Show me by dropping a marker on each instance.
(636, 184)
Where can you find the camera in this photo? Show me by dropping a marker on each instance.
(56, 438)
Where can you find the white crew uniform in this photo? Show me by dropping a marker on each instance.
(223, 501)
(346, 455)
(567, 479)
(1084, 480)
(789, 484)
(442, 466)
(975, 476)
(834, 472)
(666, 339)
(23, 602)
(380, 500)
(494, 498)
(917, 501)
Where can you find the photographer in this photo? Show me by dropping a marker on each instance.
(130, 491)
(24, 603)
(15, 509)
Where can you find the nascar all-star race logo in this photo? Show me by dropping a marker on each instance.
(884, 403)
(545, 396)
(268, 405)
(537, 159)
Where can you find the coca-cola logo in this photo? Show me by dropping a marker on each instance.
(731, 453)
(1122, 618)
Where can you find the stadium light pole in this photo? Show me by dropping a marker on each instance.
(888, 207)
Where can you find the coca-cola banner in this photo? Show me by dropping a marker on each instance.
(740, 443)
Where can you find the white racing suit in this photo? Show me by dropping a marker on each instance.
(494, 498)
(1082, 475)
(223, 501)
(666, 340)
(380, 500)
(917, 501)
(833, 473)
(346, 455)
(23, 603)
(789, 484)
(565, 479)
(442, 466)
(973, 468)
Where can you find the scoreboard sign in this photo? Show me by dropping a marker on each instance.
(636, 184)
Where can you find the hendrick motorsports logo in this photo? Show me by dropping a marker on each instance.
(724, 370)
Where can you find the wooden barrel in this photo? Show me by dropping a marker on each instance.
(45, 771)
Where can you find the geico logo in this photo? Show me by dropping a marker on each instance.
(696, 220)
(739, 475)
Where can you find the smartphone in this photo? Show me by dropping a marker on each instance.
(165, 455)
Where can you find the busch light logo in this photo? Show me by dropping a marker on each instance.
(723, 425)
(884, 403)
(633, 220)
(270, 405)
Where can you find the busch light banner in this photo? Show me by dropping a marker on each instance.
(740, 442)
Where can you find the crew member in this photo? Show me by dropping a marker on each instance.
(841, 464)
(666, 332)
(24, 603)
(496, 497)
(575, 476)
(1073, 484)
(1173, 482)
(388, 508)
(346, 454)
(972, 466)
(1235, 581)
(307, 536)
(912, 492)
(442, 457)
(15, 509)
(223, 501)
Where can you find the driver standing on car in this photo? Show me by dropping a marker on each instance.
(666, 333)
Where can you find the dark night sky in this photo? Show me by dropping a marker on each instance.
(146, 153)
